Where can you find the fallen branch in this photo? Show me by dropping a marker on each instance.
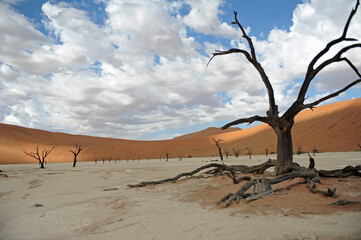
(329, 193)
(174, 179)
(218, 169)
(341, 173)
(110, 189)
(3, 174)
(344, 202)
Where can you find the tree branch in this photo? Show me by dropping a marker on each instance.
(311, 105)
(246, 120)
(245, 36)
(31, 154)
(253, 60)
(46, 152)
(78, 149)
(336, 58)
(310, 74)
(232, 50)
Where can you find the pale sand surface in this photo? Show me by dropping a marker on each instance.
(76, 207)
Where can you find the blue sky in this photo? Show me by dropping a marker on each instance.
(137, 69)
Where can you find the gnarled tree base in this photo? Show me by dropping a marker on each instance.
(262, 186)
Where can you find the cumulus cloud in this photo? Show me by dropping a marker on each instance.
(143, 72)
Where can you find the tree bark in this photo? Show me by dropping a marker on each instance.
(284, 152)
(218, 168)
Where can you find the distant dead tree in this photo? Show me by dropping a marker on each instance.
(41, 158)
(236, 151)
(299, 149)
(249, 153)
(219, 146)
(314, 151)
(226, 152)
(266, 150)
(76, 152)
(282, 125)
(167, 155)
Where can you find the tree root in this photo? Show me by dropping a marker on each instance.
(219, 168)
(312, 176)
(235, 179)
(263, 187)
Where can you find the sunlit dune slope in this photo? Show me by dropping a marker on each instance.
(333, 127)
(208, 132)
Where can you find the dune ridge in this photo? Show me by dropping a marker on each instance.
(334, 127)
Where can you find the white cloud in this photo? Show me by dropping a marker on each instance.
(141, 72)
(203, 18)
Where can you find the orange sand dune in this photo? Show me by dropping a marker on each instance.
(208, 132)
(331, 128)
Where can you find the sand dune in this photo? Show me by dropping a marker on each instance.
(208, 132)
(331, 128)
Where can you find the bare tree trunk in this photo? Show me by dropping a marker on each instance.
(219, 146)
(74, 162)
(220, 154)
(284, 152)
(42, 164)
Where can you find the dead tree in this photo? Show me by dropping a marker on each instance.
(226, 152)
(219, 146)
(236, 151)
(283, 124)
(76, 152)
(249, 153)
(40, 157)
(266, 150)
(299, 149)
(314, 151)
(167, 154)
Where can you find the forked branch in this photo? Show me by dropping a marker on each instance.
(251, 57)
(78, 149)
(312, 71)
(311, 105)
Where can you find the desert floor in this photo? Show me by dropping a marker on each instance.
(74, 203)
